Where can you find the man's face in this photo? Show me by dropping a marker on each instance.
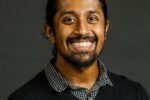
(79, 31)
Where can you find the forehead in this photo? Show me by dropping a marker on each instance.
(78, 5)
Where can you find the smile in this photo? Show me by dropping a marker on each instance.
(82, 46)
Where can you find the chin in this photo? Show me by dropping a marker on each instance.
(82, 60)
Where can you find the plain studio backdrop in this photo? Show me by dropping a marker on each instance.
(24, 52)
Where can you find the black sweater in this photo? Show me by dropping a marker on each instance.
(40, 89)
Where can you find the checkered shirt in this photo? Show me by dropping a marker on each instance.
(59, 83)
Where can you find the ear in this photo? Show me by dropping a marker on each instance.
(106, 28)
(48, 33)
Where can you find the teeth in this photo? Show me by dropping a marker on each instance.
(83, 44)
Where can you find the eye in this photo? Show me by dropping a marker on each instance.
(69, 20)
(92, 19)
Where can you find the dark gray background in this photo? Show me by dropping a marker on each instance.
(24, 52)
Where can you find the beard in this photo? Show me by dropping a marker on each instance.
(81, 59)
(78, 62)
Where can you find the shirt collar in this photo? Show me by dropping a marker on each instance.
(56, 80)
(59, 84)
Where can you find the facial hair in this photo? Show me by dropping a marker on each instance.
(76, 61)
(80, 64)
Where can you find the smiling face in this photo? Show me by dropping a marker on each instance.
(79, 28)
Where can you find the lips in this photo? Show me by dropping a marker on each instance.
(81, 38)
(81, 44)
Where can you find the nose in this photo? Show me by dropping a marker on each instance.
(82, 27)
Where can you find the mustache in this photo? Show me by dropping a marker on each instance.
(76, 38)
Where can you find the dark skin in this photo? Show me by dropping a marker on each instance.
(76, 17)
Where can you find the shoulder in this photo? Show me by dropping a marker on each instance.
(127, 88)
(38, 86)
(120, 80)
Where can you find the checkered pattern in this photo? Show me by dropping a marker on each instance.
(59, 84)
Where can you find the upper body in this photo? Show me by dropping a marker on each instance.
(39, 88)
(78, 29)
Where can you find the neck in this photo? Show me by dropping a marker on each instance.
(81, 77)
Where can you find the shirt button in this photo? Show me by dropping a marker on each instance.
(90, 97)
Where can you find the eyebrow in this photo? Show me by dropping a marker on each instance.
(93, 11)
(73, 12)
(67, 12)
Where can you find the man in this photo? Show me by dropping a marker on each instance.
(78, 28)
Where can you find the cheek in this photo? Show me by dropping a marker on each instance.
(100, 44)
(100, 33)
(99, 30)
(62, 33)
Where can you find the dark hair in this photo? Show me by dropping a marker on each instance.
(51, 10)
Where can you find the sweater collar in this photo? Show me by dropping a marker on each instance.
(59, 83)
